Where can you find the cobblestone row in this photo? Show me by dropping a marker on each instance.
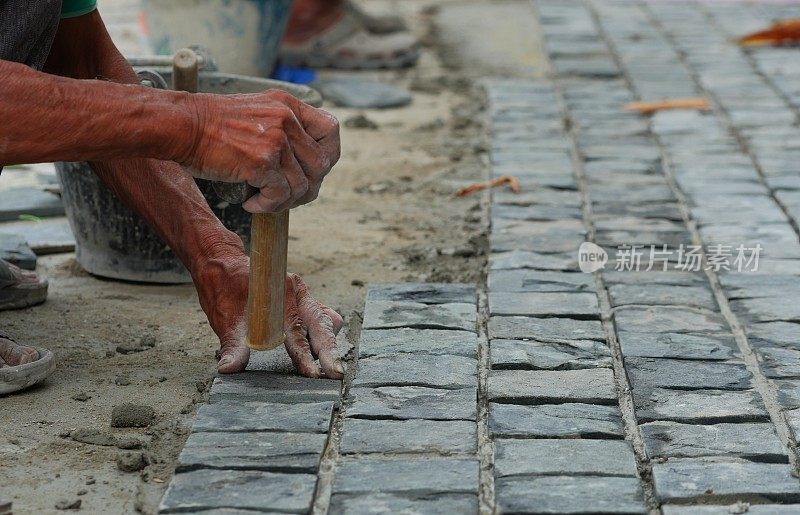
(554, 415)
(704, 425)
(408, 441)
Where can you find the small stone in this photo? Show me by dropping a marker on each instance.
(131, 461)
(592, 386)
(122, 381)
(132, 415)
(68, 505)
(93, 437)
(357, 282)
(81, 397)
(90, 480)
(360, 121)
(83, 491)
(568, 420)
(129, 442)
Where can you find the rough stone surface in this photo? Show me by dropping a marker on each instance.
(686, 375)
(28, 201)
(378, 342)
(407, 402)
(520, 260)
(388, 504)
(569, 420)
(545, 328)
(414, 476)
(533, 355)
(384, 314)
(694, 296)
(408, 436)
(694, 479)
(449, 372)
(425, 293)
(539, 281)
(677, 345)
(569, 494)
(756, 442)
(51, 235)
(247, 416)
(732, 509)
(668, 320)
(271, 451)
(543, 304)
(201, 490)
(263, 386)
(593, 386)
(564, 457)
(700, 406)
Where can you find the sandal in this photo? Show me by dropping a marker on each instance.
(19, 377)
(377, 24)
(20, 288)
(348, 44)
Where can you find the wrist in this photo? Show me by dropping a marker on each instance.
(179, 125)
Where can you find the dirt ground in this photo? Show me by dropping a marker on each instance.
(385, 214)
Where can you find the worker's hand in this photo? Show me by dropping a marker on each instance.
(270, 140)
(311, 330)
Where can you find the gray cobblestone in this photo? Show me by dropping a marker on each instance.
(699, 406)
(249, 416)
(388, 504)
(570, 420)
(449, 372)
(543, 304)
(686, 375)
(569, 494)
(386, 314)
(538, 281)
(565, 355)
(677, 345)
(273, 387)
(562, 457)
(425, 293)
(693, 296)
(408, 436)
(379, 342)
(545, 328)
(594, 386)
(413, 476)
(406, 402)
(668, 320)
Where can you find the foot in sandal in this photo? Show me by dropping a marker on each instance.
(336, 34)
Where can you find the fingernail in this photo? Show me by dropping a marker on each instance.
(225, 360)
(339, 367)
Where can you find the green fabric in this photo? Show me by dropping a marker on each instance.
(73, 8)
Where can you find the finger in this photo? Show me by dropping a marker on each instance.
(321, 330)
(272, 194)
(322, 126)
(296, 340)
(295, 177)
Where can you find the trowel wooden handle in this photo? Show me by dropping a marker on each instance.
(185, 70)
(269, 237)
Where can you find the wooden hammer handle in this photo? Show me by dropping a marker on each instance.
(269, 238)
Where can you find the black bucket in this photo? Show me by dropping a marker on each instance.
(111, 241)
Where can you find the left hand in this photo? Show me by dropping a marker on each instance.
(311, 329)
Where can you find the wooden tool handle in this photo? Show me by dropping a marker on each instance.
(269, 237)
(185, 70)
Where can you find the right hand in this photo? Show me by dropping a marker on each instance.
(270, 140)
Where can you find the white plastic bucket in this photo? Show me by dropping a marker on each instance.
(243, 36)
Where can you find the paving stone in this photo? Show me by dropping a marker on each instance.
(385, 314)
(694, 296)
(543, 237)
(564, 457)
(569, 494)
(408, 402)
(779, 362)
(677, 345)
(751, 509)
(536, 213)
(694, 479)
(378, 342)
(15, 250)
(533, 355)
(766, 309)
(276, 452)
(425, 293)
(755, 442)
(423, 477)
(594, 386)
(201, 490)
(408, 436)
(388, 504)
(687, 375)
(543, 304)
(449, 372)
(655, 277)
(533, 260)
(569, 420)
(537, 281)
(29, 201)
(665, 210)
(545, 328)
(50, 236)
(701, 406)
(274, 387)
(244, 416)
(539, 196)
(668, 320)
(781, 334)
